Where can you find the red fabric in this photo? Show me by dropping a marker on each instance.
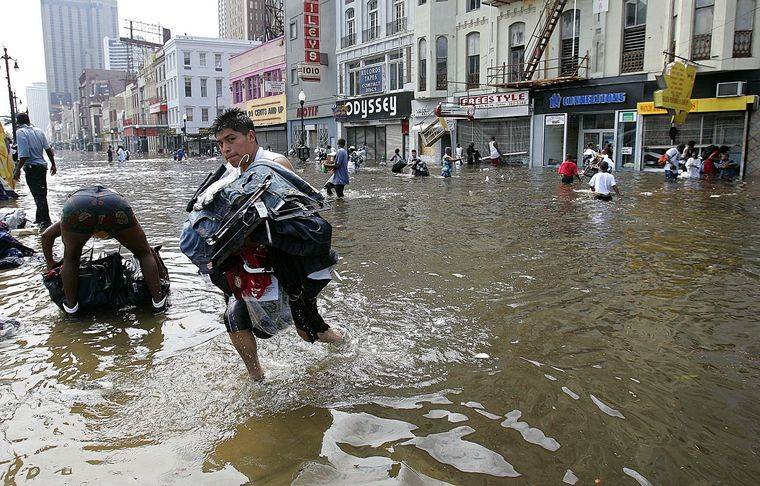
(568, 168)
(243, 283)
(709, 167)
(494, 161)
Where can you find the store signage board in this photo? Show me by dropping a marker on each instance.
(276, 87)
(371, 80)
(559, 101)
(626, 150)
(679, 80)
(393, 105)
(555, 119)
(310, 72)
(434, 132)
(627, 117)
(270, 110)
(496, 100)
(311, 31)
(600, 6)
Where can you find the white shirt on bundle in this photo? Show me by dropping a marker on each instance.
(602, 182)
(694, 167)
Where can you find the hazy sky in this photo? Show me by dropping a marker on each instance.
(22, 34)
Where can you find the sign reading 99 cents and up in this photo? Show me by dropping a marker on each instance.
(311, 33)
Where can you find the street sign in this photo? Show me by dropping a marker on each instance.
(310, 72)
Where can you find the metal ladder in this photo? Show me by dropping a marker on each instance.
(553, 11)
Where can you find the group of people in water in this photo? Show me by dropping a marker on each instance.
(711, 162)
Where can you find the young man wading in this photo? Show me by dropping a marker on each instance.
(267, 286)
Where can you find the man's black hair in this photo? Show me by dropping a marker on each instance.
(604, 166)
(22, 119)
(234, 119)
(341, 142)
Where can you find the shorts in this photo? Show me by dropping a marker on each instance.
(603, 197)
(96, 209)
(567, 179)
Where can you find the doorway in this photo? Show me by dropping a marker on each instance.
(599, 138)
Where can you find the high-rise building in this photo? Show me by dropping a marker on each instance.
(73, 32)
(242, 19)
(116, 55)
(37, 103)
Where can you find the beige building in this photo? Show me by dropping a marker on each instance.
(242, 19)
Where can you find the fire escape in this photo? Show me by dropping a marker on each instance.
(565, 69)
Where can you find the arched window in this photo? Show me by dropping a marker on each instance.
(441, 63)
(422, 65)
(570, 32)
(349, 34)
(516, 51)
(634, 36)
(373, 21)
(745, 22)
(473, 59)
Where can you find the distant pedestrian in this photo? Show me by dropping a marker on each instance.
(397, 162)
(728, 168)
(446, 163)
(109, 152)
(339, 179)
(459, 153)
(602, 183)
(32, 143)
(568, 170)
(121, 155)
(673, 155)
(493, 147)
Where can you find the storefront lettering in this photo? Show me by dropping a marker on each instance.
(385, 104)
(307, 111)
(558, 101)
(396, 105)
(497, 100)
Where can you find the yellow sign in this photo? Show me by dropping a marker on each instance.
(6, 162)
(271, 110)
(679, 79)
(702, 105)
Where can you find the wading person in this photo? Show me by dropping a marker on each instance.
(493, 146)
(109, 153)
(671, 164)
(603, 183)
(693, 164)
(257, 304)
(568, 170)
(447, 162)
(339, 166)
(100, 212)
(397, 162)
(419, 168)
(32, 143)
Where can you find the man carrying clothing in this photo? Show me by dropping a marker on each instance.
(339, 179)
(32, 143)
(602, 183)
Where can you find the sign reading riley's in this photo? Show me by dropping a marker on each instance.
(393, 105)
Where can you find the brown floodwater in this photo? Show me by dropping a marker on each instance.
(502, 330)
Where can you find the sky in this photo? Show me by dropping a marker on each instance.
(23, 36)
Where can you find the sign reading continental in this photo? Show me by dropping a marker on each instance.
(267, 111)
(679, 82)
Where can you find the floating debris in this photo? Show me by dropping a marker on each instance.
(606, 408)
(638, 477)
(570, 477)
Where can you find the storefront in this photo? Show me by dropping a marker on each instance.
(505, 116)
(423, 114)
(318, 123)
(269, 116)
(382, 122)
(566, 120)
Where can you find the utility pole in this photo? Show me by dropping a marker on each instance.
(11, 97)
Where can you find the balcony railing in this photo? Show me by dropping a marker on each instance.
(347, 41)
(442, 82)
(370, 34)
(632, 62)
(395, 26)
(700, 48)
(743, 43)
(634, 40)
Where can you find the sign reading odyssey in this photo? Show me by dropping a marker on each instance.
(557, 101)
(371, 80)
(393, 105)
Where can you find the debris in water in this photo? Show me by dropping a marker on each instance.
(570, 393)
(606, 408)
(638, 477)
(570, 477)
(458, 275)
(488, 414)
(549, 377)
(472, 404)
(481, 356)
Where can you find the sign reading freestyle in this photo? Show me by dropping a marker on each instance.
(311, 35)
(557, 101)
(396, 105)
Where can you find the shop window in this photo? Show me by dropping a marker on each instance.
(353, 78)
(703, 27)
(634, 36)
(422, 65)
(745, 22)
(570, 42)
(599, 121)
(516, 51)
(473, 60)
(472, 5)
(441, 63)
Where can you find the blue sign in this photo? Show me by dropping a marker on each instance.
(371, 80)
(557, 101)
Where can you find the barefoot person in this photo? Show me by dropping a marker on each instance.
(100, 212)
(236, 137)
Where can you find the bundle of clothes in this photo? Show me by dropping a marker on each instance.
(260, 238)
(12, 251)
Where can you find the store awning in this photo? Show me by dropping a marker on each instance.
(706, 105)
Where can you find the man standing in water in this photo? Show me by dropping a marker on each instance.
(236, 136)
(31, 145)
(339, 179)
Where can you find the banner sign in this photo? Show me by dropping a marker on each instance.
(371, 80)
(394, 105)
(267, 111)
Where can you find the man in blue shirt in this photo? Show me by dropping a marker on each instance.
(339, 179)
(31, 145)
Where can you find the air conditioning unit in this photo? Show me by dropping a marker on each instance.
(735, 88)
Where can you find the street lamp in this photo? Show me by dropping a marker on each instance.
(7, 58)
(303, 152)
(184, 132)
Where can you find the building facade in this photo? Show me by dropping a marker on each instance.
(197, 86)
(37, 103)
(319, 125)
(116, 55)
(73, 32)
(374, 42)
(242, 19)
(257, 82)
(96, 86)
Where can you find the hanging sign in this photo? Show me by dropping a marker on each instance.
(676, 97)
(311, 42)
(434, 132)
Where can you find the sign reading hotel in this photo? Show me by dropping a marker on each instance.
(267, 111)
(311, 37)
(496, 100)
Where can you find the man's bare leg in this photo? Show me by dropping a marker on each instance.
(245, 344)
(135, 241)
(72, 252)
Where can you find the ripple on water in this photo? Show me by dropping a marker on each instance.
(530, 434)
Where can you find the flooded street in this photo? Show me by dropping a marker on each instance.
(502, 330)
